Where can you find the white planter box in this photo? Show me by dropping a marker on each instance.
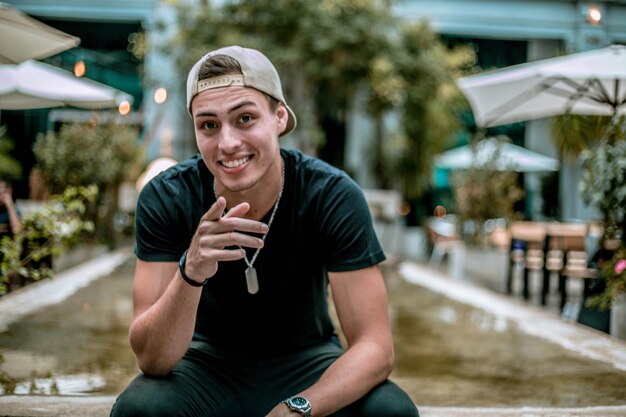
(618, 318)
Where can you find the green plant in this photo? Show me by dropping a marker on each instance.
(614, 273)
(603, 185)
(46, 232)
(9, 166)
(416, 79)
(103, 154)
(482, 192)
(574, 133)
(79, 154)
(399, 69)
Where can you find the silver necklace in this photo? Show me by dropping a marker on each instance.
(252, 281)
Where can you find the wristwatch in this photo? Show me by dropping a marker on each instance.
(299, 405)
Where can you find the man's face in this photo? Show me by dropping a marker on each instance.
(237, 134)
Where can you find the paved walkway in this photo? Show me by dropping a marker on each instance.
(573, 337)
(531, 319)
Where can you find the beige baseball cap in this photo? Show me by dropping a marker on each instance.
(258, 73)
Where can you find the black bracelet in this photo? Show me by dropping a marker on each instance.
(181, 268)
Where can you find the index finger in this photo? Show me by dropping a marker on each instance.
(216, 211)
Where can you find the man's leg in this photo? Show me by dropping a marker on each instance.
(385, 400)
(290, 375)
(205, 383)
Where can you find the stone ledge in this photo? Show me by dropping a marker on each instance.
(17, 304)
(100, 406)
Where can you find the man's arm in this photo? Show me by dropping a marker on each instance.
(360, 299)
(165, 306)
(165, 309)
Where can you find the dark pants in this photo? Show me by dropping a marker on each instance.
(212, 383)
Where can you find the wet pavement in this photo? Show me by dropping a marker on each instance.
(501, 355)
(454, 358)
(76, 347)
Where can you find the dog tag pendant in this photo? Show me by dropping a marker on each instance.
(252, 281)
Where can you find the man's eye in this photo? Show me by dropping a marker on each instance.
(246, 118)
(209, 125)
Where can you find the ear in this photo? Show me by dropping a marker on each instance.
(281, 116)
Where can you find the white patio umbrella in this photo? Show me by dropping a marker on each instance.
(23, 38)
(588, 83)
(35, 85)
(509, 157)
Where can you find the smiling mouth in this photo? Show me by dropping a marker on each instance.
(236, 162)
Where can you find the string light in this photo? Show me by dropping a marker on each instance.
(594, 15)
(79, 68)
(124, 107)
(160, 95)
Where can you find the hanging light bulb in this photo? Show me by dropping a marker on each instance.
(160, 95)
(594, 15)
(79, 68)
(124, 107)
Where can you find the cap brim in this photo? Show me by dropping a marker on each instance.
(291, 122)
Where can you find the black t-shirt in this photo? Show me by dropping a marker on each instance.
(322, 224)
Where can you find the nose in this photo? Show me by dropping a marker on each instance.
(229, 140)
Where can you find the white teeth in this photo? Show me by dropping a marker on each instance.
(236, 162)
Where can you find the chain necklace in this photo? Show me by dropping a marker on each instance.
(252, 280)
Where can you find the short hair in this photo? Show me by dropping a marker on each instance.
(218, 65)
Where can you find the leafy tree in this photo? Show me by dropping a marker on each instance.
(599, 143)
(483, 192)
(321, 67)
(327, 51)
(44, 234)
(417, 78)
(9, 166)
(82, 154)
(603, 183)
(574, 133)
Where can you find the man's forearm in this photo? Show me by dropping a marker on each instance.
(160, 335)
(354, 374)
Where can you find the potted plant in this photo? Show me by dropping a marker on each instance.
(485, 192)
(603, 185)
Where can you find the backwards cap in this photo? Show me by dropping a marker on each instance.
(257, 72)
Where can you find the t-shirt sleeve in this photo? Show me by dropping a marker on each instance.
(348, 236)
(153, 225)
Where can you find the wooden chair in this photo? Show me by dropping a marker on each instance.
(527, 249)
(565, 255)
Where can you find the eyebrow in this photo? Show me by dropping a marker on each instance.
(230, 110)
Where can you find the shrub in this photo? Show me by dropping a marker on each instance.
(46, 233)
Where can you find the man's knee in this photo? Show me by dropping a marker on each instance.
(139, 399)
(386, 400)
(392, 406)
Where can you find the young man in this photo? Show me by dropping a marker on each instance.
(236, 249)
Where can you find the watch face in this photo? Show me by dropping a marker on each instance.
(299, 404)
(299, 401)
